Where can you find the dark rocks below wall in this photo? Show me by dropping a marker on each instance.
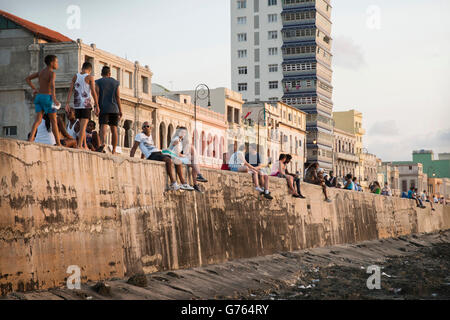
(413, 267)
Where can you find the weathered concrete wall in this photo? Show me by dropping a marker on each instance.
(111, 217)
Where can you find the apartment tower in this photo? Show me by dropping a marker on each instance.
(281, 51)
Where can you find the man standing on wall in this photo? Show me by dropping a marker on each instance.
(108, 93)
(83, 86)
(45, 97)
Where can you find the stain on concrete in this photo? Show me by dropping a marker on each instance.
(14, 179)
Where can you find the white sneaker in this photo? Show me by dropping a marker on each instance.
(175, 187)
(259, 189)
(187, 187)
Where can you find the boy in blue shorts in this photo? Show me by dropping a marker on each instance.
(45, 97)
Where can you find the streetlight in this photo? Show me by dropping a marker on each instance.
(202, 92)
(259, 119)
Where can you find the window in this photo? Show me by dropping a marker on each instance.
(257, 88)
(273, 35)
(256, 22)
(7, 24)
(273, 17)
(242, 86)
(273, 68)
(242, 4)
(128, 81)
(144, 84)
(242, 20)
(273, 51)
(242, 70)
(115, 72)
(237, 119)
(242, 37)
(272, 3)
(273, 84)
(230, 114)
(10, 131)
(242, 53)
(256, 55)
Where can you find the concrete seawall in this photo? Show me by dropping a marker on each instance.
(111, 217)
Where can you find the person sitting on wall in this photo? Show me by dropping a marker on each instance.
(386, 190)
(315, 177)
(279, 170)
(181, 152)
(413, 196)
(145, 142)
(331, 182)
(349, 184)
(238, 163)
(356, 185)
(376, 189)
(253, 158)
(45, 135)
(225, 166)
(295, 176)
(92, 137)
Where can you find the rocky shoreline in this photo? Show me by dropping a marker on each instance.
(412, 267)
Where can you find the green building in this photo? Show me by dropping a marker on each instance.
(433, 168)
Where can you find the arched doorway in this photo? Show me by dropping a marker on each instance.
(170, 133)
(162, 135)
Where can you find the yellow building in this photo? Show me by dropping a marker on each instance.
(351, 121)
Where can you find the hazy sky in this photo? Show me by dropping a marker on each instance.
(391, 58)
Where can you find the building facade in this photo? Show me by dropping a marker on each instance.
(345, 158)
(411, 175)
(284, 130)
(391, 176)
(281, 51)
(226, 102)
(434, 168)
(177, 110)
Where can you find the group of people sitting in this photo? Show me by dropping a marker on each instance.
(249, 161)
(422, 198)
(69, 134)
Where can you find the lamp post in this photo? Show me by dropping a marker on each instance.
(202, 92)
(259, 118)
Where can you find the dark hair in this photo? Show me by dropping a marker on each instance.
(105, 71)
(92, 122)
(86, 65)
(282, 156)
(288, 157)
(47, 122)
(49, 59)
(354, 178)
(349, 176)
(182, 128)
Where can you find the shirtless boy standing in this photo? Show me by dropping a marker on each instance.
(45, 96)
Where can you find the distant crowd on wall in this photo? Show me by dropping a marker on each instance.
(102, 96)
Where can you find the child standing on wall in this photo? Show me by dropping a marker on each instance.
(83, 86)
(45, 97)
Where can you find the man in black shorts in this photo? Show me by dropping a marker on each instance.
(108, 93)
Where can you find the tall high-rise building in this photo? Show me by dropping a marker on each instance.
(281, 51)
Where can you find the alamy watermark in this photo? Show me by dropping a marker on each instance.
(74, 281)
(74, 19)
(373, 21)
(374, 281)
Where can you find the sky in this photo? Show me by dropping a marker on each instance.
(391, 59)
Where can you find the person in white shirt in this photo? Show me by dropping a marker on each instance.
(237, 163)
(145, 142)
(182, 153)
